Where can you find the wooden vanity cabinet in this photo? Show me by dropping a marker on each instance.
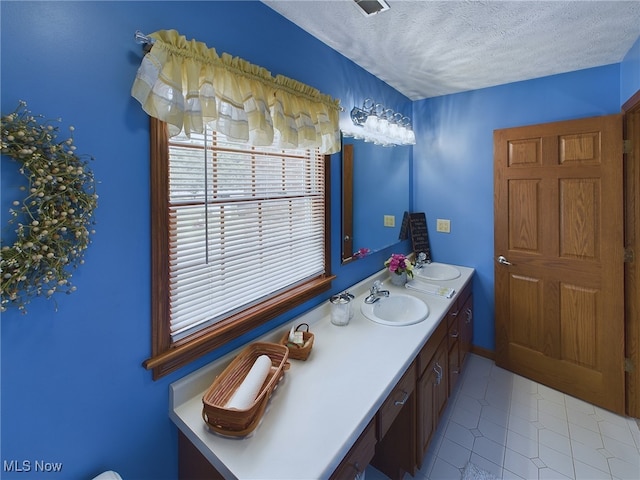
(466, 327)
(192, 465)
(453, 342)
(460, 333)
(399, 397)
(396, 429)
(409, 417)
(355, 462)
(432, 389)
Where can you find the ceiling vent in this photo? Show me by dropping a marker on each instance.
(371, 7)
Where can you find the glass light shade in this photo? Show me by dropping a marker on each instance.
(411, 137)
(394, 132)
(371, 123)
(383, 126)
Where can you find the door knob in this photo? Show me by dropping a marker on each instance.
(503, 261)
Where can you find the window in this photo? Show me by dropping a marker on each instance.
(239, 236)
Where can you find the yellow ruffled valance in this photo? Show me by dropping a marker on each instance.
(187, 84)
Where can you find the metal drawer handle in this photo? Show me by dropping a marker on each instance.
(469, 315)
(438, 370)
(404, 399)
(454, 334)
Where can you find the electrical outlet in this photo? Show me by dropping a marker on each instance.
(389, 221)
(443, 226)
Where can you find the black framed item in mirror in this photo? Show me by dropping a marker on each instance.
(420, 234)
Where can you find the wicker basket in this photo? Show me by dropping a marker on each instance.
(239, 423)
(298, 352)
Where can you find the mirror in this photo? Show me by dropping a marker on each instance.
(375, 193)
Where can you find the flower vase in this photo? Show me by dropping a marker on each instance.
(399, 279)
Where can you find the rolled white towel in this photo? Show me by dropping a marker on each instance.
(249, 389)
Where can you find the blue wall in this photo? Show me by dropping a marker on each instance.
(73, 389)
(630, 73)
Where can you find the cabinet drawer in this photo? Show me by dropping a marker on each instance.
(427, 352)
(359, 456)
(452, 314)
(397, 399)
(456, 307)
(454, 333)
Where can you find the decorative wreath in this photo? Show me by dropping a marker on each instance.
(54, 220)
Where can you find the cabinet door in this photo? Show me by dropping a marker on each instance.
(432, 398)
(426, 417)
(454, 360)
(466, 328)
(441, 391)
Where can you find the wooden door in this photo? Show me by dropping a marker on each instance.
(559, 292)
(632, 243)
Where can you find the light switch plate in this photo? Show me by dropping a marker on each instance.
(443, 225)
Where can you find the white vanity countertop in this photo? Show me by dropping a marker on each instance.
(323, 404)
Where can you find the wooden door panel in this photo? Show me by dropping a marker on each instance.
(524, 152)
(524, 215)
(580, 218)
(525, 312)
(579, 325)
(559, 222)
(564, 376)
(582, 148)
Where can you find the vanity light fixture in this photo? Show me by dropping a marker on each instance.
(382, 126)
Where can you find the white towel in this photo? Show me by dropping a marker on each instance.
(430, 289)
(249, 389)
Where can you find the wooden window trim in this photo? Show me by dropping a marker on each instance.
(168, 356)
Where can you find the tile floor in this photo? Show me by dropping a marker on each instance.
(518, 429)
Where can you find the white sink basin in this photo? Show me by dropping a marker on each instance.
(436, 271)
(397, 310)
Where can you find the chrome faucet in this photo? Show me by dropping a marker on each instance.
(375, 293)
(422, 260)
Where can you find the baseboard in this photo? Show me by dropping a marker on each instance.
(483, 352)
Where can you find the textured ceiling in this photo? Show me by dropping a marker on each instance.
(429, 48)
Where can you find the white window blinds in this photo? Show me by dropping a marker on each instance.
(244, 222)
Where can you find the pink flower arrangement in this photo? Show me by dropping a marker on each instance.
(362, 252)
(399, 264)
